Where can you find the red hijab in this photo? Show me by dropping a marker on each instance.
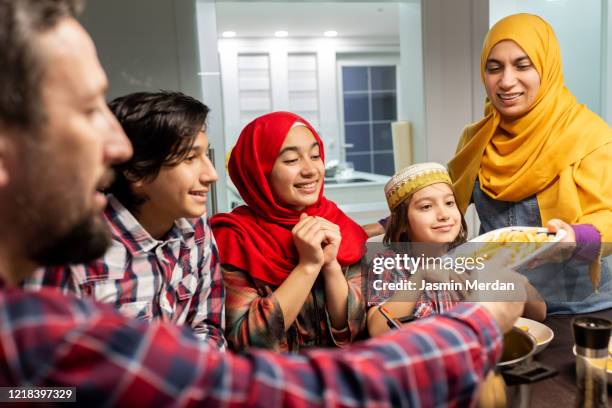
(256, 237)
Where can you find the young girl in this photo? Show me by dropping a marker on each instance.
(290, 257)
(423, 211)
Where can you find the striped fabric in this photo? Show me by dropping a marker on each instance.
(177, 279)
(114, 361)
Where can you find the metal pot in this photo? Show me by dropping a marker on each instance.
(509, 386)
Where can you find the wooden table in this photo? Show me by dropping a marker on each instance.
(559, 391)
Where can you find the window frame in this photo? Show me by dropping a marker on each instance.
(363, 60)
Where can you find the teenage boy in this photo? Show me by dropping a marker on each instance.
(163, 260)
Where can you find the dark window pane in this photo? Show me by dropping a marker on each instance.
(355, 78)
(361, 162)
(356, 108)
(383, 78)
(384, 106)
(382, 137)
(358, 136)
(383, 163)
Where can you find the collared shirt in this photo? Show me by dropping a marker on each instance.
(48, 339)
(176, 279)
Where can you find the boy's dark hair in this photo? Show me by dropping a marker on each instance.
(397, 227)
(22, 63)
(162, 127)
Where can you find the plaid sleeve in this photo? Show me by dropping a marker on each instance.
(206, 314)
(356, 314)
(114, 361)
(252, 319)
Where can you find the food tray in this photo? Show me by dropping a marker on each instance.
(520, 252)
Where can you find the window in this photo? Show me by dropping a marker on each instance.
(303, 86)
(369, 96)
(253, 86)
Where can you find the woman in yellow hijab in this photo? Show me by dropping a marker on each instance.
(539, 157)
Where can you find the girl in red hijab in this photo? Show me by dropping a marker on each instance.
(290, 257)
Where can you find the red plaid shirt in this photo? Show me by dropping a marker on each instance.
(177, 279)
(47, 339)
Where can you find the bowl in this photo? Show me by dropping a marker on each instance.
(542, 333)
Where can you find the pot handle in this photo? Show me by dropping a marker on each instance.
(528, 373)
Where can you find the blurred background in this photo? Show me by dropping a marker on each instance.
(385, 83)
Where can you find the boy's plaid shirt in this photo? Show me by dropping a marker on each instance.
(176, 279)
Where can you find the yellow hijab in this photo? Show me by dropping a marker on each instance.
(545, 151)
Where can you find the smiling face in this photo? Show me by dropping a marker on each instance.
(179, 191)
(433, 215)
(298, 172)
(510, 79)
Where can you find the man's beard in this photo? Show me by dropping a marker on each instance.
(84, 242)
(56, 228)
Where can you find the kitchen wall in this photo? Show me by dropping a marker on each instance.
(584, 42)
(148, 45)
(452, 39)
(441, 92)
(607, 61)
(145, 44)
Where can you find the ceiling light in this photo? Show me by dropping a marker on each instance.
(281, 33)
(229, 34)
(330, 33)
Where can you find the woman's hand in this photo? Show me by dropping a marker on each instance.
(331, 242)
(555, 225)
(308, 237)
(317, 241)
(562, 250)
(565, 248)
